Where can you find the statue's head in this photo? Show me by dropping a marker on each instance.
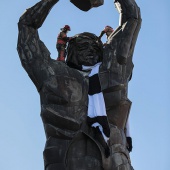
(84, 49)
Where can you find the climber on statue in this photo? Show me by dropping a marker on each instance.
(107, 30)
(62, 40)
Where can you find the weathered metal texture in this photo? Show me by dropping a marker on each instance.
(86, 5)
(117, 63)
(71, 144)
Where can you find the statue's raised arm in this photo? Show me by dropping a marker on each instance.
(117, 63)
(115, 73)
(33, 53)
(63, 94)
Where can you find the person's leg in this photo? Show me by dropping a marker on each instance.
(58, 47)
(61, 52)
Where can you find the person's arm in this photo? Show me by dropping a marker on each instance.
(101, 34)
(33, 53)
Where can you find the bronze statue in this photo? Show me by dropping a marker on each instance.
(63, 87)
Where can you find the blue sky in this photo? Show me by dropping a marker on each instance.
(22, 135)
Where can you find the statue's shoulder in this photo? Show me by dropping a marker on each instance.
(60, 68)
(58, 73)
(64, 85)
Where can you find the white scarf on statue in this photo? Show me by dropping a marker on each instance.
(96, 105)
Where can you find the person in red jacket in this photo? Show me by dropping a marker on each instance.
(107, 30)
(62, 40)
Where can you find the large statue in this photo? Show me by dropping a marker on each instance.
(64, 87)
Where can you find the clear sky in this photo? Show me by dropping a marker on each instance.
(22, 135)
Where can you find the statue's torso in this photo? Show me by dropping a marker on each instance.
(63, 100)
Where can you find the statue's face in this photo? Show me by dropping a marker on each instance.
(85, 49)
(88, 51)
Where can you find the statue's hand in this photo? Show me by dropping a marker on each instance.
(86, 5)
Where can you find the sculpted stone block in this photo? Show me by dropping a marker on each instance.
(63, 88)
(86, 5)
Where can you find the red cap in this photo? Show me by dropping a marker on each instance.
(67, 27)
